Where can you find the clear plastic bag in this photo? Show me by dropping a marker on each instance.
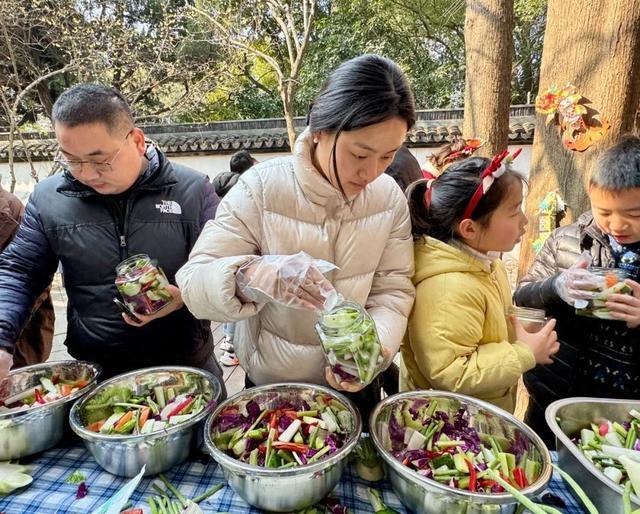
(295, 281)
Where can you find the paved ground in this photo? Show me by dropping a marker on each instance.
(233, 377)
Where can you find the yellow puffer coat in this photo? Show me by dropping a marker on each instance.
(459, 335)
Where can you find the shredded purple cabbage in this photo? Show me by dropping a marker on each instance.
(284, 422)
(396, 429)
(253, 409)
(230, 420)
(82, 491)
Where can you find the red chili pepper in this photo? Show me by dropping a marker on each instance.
(491, 484)
(293, 447)
(520, 478)
(603, 430)
(181, 406)
(39, 397)
(262, 448)
(506, 478)
(274, 420)
(55, 379)
(473, 475)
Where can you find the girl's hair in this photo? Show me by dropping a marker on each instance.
(450, 196)
(363, 91)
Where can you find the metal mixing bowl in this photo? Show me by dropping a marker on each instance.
(290, 489)
(124, 455)
(566, 418)
(41, 427)
(426, 496)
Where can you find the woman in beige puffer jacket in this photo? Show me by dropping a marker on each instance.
(356, 218)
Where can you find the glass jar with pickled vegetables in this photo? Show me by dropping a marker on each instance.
(350, 342)
(142, 285)
(607, 281)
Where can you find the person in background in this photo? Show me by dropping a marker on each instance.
(332, 200)
(36, 339)
(117, 197)
(404, 168)
(240, 162)
(597, 357)
(461, 338)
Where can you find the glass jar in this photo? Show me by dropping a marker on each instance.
(607, 281)
(350, 342)
(142, 285)
(533, 320)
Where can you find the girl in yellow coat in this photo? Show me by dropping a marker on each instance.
(460, 337)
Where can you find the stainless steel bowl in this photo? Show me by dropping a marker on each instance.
(426, 496)
(124, 455)
(288, 489)
(566, 418)
(39, 428)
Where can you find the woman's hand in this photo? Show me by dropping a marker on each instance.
(291, 280)
(354, 387)
(172, 306)
(626, 307)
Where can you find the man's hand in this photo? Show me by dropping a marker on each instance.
(172, 306)
(6, 361)
(626, 307)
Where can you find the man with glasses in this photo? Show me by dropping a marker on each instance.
(118, 196)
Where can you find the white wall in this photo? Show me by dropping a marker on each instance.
(214, 164)
(209, 164)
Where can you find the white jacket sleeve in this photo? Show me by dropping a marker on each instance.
(208, 280)
(392, 292)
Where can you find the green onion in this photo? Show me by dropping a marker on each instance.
(207, 493)
(175, 491)
(581, 494)
(535, 508)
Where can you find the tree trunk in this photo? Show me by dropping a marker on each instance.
(488, 35)
(287, 94)
(601, 57)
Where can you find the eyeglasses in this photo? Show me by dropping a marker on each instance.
(99, 167)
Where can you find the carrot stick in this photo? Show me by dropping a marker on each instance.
(144, 416)
(123, 420)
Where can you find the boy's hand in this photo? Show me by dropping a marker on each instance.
(576, 283)
(626, 307)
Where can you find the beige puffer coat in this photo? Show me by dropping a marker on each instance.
(284, 206)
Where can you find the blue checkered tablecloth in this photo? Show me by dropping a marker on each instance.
(49, 494)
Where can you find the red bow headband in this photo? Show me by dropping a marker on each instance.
(495, 170)
(430, 179)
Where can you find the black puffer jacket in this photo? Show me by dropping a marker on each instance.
(597, 357)
(161, 215)
(225, 181)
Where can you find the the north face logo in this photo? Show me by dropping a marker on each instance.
(169, 207)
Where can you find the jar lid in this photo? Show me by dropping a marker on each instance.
(528, 312)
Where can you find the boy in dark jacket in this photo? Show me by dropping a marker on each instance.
(597, 357)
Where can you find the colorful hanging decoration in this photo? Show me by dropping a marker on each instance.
(581, 124)
(549, 213)
(459, 148)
